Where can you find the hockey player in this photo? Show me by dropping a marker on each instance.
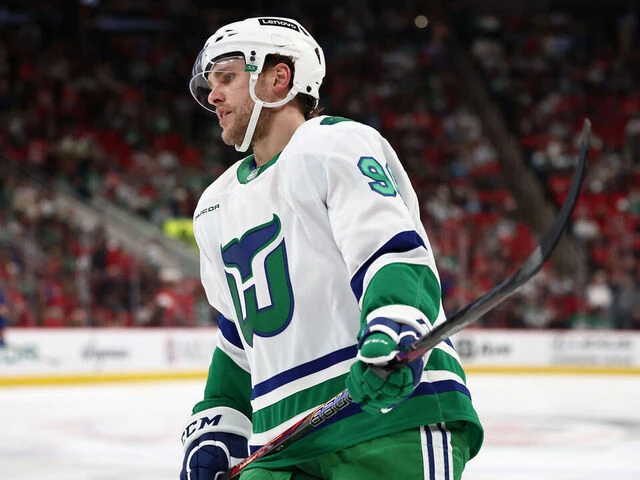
(313, 252)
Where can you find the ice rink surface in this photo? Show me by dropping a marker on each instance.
(538, 427)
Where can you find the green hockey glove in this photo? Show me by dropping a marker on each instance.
(380, 342)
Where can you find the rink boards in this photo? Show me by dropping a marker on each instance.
(46, 356)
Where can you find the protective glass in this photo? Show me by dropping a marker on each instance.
(208, 74)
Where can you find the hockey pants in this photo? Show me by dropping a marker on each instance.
(432, 452)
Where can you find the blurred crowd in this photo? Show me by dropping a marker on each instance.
(549, 72)
(94, 98)
(58, 273)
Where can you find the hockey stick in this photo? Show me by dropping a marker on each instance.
(464, 317)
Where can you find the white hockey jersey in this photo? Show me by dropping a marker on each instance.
(295, 255)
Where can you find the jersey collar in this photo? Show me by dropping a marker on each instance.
(248, 170)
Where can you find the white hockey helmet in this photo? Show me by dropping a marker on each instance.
(253, 39)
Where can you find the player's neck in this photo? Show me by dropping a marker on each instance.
(284, 124)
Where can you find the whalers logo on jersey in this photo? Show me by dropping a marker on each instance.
(258, 278)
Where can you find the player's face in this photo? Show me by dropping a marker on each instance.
(229, 95)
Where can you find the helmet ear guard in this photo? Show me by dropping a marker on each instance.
(254, 39)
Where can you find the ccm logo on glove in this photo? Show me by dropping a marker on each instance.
(199, 424)
(214, 440)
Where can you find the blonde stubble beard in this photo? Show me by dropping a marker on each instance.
(234, 134)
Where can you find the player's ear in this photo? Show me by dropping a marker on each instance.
(281, 79)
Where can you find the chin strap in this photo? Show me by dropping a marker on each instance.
(257, 108)
(251, 127)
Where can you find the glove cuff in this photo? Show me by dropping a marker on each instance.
(217, 419)
(402, 314)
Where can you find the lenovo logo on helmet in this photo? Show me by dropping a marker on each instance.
(277, 22)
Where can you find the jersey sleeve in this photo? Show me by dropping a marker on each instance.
(228, 382)
(374, 216)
